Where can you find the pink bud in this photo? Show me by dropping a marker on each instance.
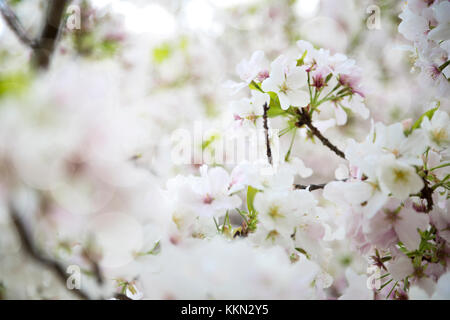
(407, 123)
(262, 75)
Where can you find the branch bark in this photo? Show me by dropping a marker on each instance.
(27, 244)
(266, 129)
(44, 46)
(50, 32)
(427, 194)
(13, 22)
(311, 187)
(305, 119)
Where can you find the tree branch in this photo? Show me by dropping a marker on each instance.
(13, 22)
(427, 194)
(50, 32)
(58, 269)
(311, 187)
(121, 296)
(44, 46)
(305, 119)
(266, 128)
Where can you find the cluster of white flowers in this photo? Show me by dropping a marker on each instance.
(86, 156)
(427, 24)
(390, 198)
(312, 78)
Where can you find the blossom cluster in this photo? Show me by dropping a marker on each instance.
(89, 183)
(427, 25)
(390, 199)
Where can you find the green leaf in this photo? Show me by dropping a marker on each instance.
(254, 86)
(209, 141)
(274, 106)
(162, 53)
(428, 114)
(303, 251)
(13, 83)
(154, 251)
(251, 193)
(301, 61)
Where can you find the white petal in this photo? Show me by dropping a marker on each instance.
(297, 78)
(341, 115)
(269, 85)
(406, 227)
(298, 98)
(400, 267)
(284, 101)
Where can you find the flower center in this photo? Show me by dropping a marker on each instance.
(272, 235)
(400, 175)
(391, 215)
(284, 88)
(274, 212)
(439, 135)
(208, 199)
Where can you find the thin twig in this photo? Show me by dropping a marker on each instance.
(266, 129)
(305, 119)
(311, 187)
(121, 296)
(96, 270)
(57, 268)
(13, 22)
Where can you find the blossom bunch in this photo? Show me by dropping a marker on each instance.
(390, 199)
(314, 78)
(427, 25)
(334, 201)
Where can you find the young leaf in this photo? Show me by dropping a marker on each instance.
(428, 114)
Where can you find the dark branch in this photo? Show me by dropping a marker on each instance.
(15, 25)
(266, 128)
(121, 296)
(427, 194)
(305, 119)
(44, 46)
(96, 270)
(27, 244)
(311, 187)
(50, 32)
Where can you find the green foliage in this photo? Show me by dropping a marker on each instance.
(254, 86)
(2, 291)
(13, 83)
(108, 48)
(162, 53)
(124, 285)
(250, 219)
(165, 50)
(87, 44)
(346, 260)
(301, 61)
(251, 193)
(154, 251)
(428, 114)
(15, 2)
(209, 141)
(303, 251)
